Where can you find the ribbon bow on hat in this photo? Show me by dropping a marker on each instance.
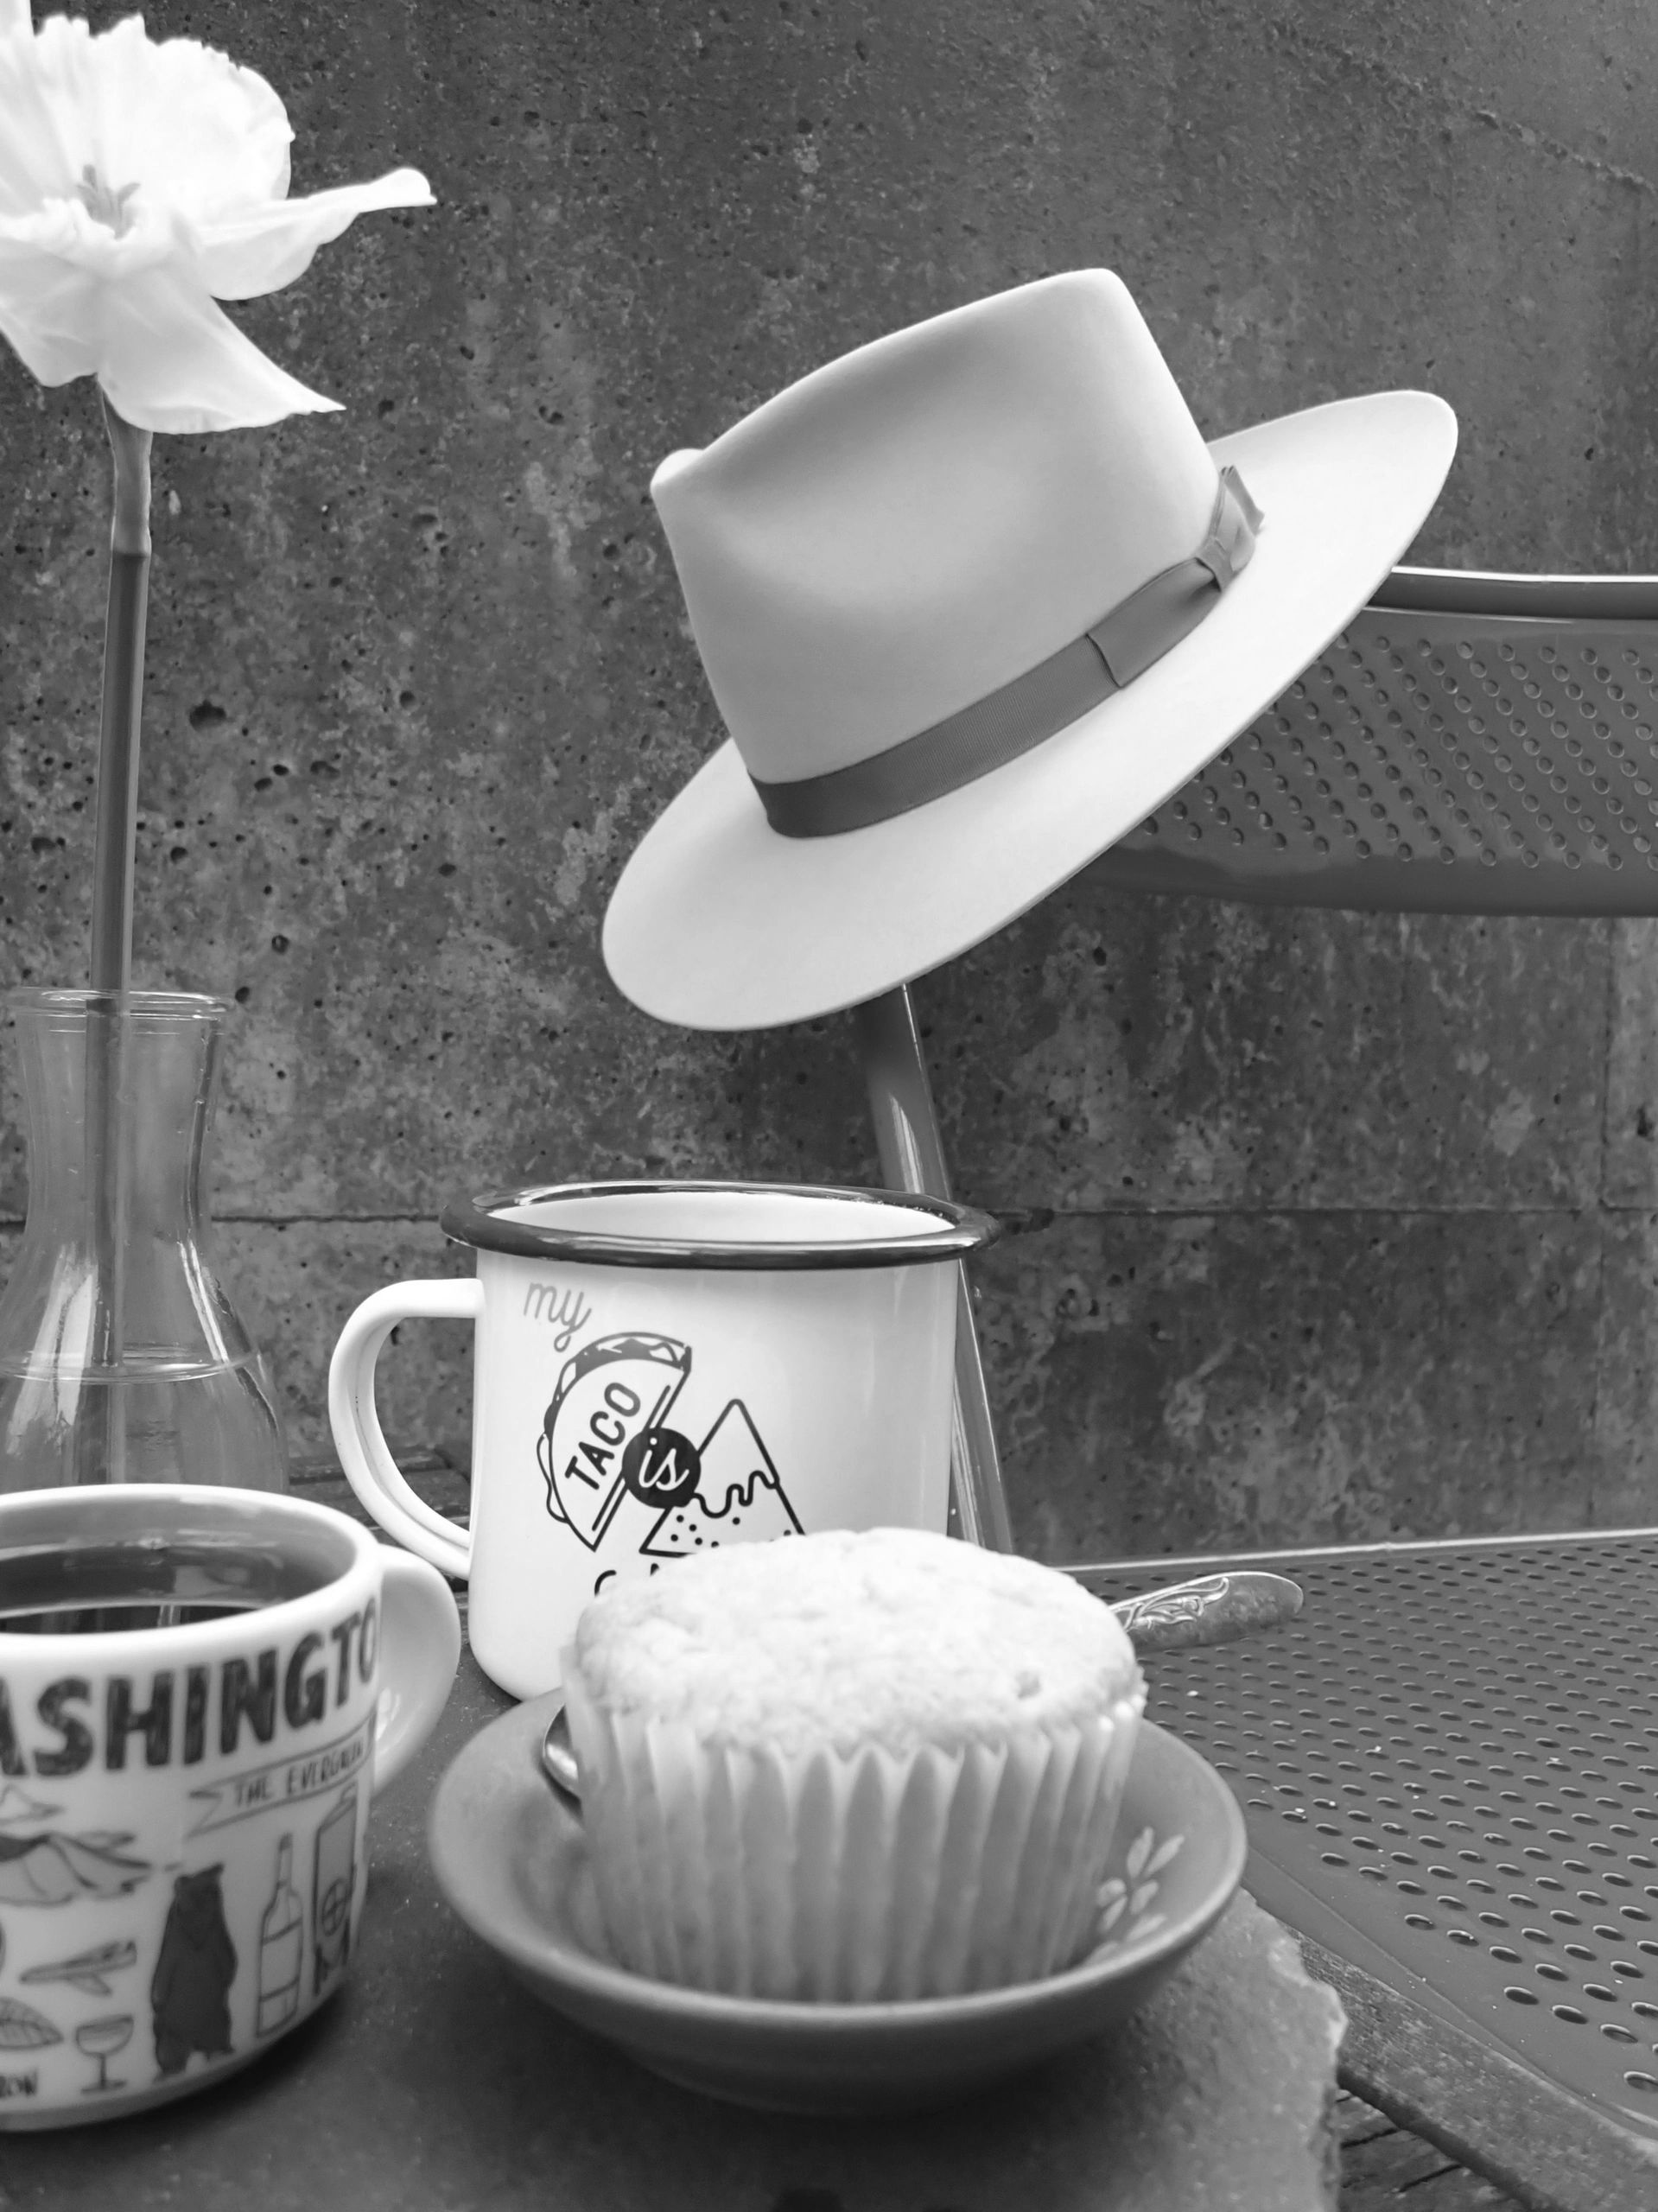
(973, 600)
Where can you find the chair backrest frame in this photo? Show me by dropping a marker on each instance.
(1471, 743)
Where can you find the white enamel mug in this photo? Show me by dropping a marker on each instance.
(662, 1367)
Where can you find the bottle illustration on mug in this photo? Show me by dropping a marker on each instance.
(334, 1879)
(282, 1947)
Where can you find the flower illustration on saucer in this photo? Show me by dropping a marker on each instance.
(1125, 1899)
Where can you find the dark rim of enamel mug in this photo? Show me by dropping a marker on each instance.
(477, 1221)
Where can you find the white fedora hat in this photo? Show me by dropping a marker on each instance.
(973, 601)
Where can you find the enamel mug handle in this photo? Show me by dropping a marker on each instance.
(370, 1468)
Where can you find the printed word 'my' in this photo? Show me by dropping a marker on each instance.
(564, 1310)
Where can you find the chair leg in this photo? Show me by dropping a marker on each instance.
(912, 1158)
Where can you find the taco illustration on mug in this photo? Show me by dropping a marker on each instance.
(605, 1420)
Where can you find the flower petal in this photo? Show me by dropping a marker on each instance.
(178, 120)
(192, 128)
(245, 256)
(49, 312)
(37, 159)
(14, 20)
(65, 230)
(170, 361)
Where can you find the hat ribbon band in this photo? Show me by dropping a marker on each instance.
(1020, 715)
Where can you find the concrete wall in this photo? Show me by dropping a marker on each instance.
(1320, 1225)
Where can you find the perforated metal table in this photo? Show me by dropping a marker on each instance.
(1449, 1765)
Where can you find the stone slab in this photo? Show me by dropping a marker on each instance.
(435, 2081)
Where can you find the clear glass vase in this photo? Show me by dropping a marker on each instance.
(123, 1358)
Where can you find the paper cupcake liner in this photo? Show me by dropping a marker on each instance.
(869, 1876)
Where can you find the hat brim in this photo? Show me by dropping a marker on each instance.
(718, 923)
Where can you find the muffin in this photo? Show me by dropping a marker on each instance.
(850, 1767)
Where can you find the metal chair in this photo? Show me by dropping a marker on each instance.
(1449, 1763)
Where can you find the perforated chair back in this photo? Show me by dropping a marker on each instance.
(1477, 744)
(1449, 1763)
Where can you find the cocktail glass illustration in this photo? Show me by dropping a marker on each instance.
(101, 2039)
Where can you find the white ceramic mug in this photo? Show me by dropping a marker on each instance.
(199, 1689)
(660, 1367)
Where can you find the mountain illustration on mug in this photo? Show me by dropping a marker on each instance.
(19, 1810)
(609, 1395)
(739, 1497)
(53, 1867)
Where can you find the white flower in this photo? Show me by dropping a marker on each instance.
(139, 183)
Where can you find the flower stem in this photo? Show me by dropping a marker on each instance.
(124, 686)
(100, 1431)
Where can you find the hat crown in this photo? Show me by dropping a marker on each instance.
(914, 525)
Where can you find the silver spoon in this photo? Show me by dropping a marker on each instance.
(558, 1757)
(1213, 1609)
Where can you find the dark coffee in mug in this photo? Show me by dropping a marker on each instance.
(93, 1587)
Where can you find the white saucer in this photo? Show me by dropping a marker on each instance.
(510, 1855)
